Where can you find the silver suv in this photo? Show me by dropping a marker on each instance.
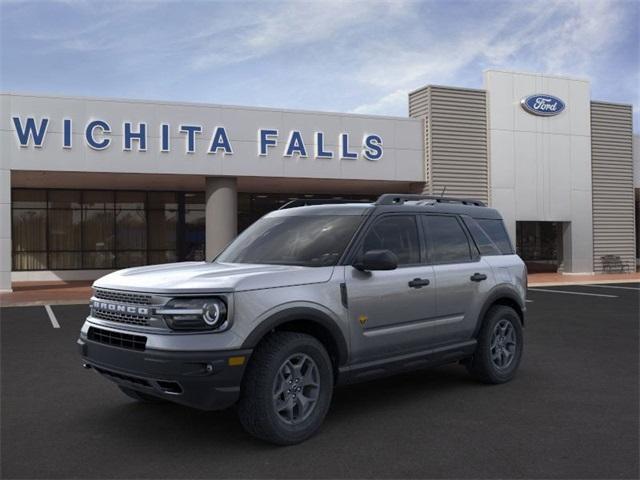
(313, 296)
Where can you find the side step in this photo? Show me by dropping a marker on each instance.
(388, 366)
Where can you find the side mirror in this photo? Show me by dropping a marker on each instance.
(377, 260)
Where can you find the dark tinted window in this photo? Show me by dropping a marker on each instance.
(496, 231)
(397, 233)
(446, 240)
(482, 240)
(310, 241)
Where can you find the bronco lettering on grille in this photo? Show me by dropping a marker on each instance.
(114, 307)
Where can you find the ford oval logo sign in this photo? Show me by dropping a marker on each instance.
(544, 105)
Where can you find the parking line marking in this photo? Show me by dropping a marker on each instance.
(613, 286)
(573, 293)
(52, 317)
(529, 301)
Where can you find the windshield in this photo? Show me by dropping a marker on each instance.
(309, 241)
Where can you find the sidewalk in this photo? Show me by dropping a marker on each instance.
(554, 279)
(55, 293)
(46, 293)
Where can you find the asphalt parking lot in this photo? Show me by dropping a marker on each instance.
(572, 412)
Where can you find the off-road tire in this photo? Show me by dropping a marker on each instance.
(482, 366)
(140, 396)
(256, 408)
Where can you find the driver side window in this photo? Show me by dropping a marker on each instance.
(397, 233)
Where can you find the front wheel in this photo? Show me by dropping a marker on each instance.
(500, 345)
(287, 388)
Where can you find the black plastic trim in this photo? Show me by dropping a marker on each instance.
(202, 380)
(305, 314)
(498, 293)
(406, 362)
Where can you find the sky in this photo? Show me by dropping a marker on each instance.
(344, 56)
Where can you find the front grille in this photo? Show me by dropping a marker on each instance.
(123, 297)
(120, 317)
(121, 376)
(117, 339)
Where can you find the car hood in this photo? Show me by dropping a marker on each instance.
(205, 277)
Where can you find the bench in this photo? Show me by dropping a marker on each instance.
(613, 263)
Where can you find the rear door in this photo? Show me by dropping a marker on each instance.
(389, 310)
(462, 277)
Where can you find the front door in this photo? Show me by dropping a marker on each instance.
(389, 310)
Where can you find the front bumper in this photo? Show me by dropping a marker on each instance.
(206, 380)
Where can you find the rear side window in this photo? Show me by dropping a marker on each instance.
(446, 240)
(484, 243)
(496, 231)
(398, 233)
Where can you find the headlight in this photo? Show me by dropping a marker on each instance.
(195, 314)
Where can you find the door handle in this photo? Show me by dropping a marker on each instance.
(478, 277)
(419, 282)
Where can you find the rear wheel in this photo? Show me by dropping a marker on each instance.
(140, 396)
(499, 348)
(287, 388)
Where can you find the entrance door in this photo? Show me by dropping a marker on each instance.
(389, 311)
(539, 244)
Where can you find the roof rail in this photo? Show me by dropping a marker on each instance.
(302, 202)
(401, 198)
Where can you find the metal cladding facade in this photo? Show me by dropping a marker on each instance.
(612, 179)
(456, 154)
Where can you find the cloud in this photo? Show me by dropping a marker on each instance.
(394, 103)
(291, 25)
(565, 37)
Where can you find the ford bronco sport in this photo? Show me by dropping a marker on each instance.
(309, 297)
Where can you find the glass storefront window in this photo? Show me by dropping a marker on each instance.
(30, 260)
(194, 235)
(29, 230)
(104, 259)
(65, 230)
(131, 259)
(64, 199)
(162, 201)
(98, 230)
(24, 198)
(131, 230)
(167, 256)
(130, 200)
(65, 260)
(104, 229)
(98, 199)
(162, 229)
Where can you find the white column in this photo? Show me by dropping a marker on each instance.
(221, 223)
(5, 229)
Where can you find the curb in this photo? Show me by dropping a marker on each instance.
(42, 303)
(581, 282)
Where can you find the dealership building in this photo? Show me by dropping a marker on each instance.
(89, 185)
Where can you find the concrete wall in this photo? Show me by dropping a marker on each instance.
(402, 140)
(540, 167)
